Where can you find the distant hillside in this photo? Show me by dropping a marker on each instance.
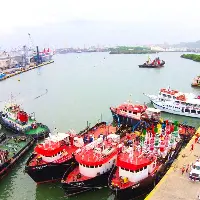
(194, 57)
(191, 45)
(130, 50)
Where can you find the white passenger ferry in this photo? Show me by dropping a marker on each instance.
(175, 102)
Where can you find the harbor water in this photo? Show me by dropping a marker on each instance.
(77, 88)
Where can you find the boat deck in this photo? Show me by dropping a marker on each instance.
(69, 149)
(174, 185)
(72, 177)
(38, 130)
(12, 146)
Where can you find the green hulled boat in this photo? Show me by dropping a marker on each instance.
(11, 149)
(18, 121)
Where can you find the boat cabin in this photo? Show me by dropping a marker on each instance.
(153, 113)
(130, 110)
(135, 167)
(99, 156)
(57, 146)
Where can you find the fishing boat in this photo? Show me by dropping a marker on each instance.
(175, 102)
(156, 63)
(95, 162)
(2, 76)
(52, 158)
(128, 113)
(196, 82)
(141, 161)
(134, 115)
(11, 149)
(18, 121)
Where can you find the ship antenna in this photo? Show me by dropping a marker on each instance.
(129, 100)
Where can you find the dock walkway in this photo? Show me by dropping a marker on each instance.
(174, 185)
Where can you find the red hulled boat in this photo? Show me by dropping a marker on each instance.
(141, 161)
(128, 113)
(95, 162)
(56, 154)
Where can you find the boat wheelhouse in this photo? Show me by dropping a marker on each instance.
(52, 158)
(95, 162)
(175, 102)
(140, 161)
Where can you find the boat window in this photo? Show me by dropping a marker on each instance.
(134, 113)
(174, 97)
(193, 111)
(129, 111)
(177, 101)
(145, 167)
(137, 170)
(168, 96)
(198, 112)
(187, 110)
(164, 95)
(183, 103)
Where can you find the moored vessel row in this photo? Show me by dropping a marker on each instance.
(131, 154)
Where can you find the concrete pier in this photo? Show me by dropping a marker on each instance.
(26, 69)
(175, 185)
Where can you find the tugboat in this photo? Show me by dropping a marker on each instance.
(11, 149)
(156, 63)
(19, 122)
(128, 113)
(142, 161)
(196, 82)
(95, 162)
(52, 158)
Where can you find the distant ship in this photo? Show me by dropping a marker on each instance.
(156, 63)
(44, 56)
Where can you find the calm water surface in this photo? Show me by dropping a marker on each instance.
(81, 88)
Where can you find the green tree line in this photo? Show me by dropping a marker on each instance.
(194, 57)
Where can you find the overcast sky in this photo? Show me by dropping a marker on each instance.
(64, 23)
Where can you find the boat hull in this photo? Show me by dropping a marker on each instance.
(126, 121)
(195, 85)
(4, 169)
(152, 66)
(77, 187)
(49, 172)
(10, 127)
(175, 111)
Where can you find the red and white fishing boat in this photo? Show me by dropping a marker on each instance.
(128, 113)
(141, 161)
(95, 162)
(55, 155)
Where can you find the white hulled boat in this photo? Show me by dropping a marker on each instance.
(175, 102)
